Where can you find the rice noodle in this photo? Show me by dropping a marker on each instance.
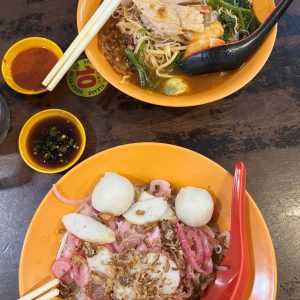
(70, 201)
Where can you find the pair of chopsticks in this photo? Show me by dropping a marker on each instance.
(42, 289)
(85, 36)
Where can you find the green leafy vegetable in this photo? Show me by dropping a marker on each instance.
(143, 76)
(242, 9)
(54, 145)
(239, 3)
(228, 24)
(251, 24)
(141, 52)
(227, 4)
(242, 22)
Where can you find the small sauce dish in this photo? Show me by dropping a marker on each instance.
(27, 63)
(52, 141)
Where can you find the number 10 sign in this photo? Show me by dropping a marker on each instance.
(84, 80)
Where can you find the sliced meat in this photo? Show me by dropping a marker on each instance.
(167, 18)
(175, 1)
(153, 238)
(160, 188)
(96, 292)
(81, 275)
(88, 210)
(110, 247)
(159, 17)
(190, 18)
(142, 248)
(72, 244)
(204, 9)
(62, 268)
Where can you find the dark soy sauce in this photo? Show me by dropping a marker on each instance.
(53, 142)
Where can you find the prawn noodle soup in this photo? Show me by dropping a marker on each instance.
(145, 39)
(143, 250)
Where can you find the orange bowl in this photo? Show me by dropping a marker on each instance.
(181, 167)
(236, 81)
(15, 50)
(26, 131)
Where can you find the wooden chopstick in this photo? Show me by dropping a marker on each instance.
(85, 36)
(49, 295)
(75, 43)
(39, 291)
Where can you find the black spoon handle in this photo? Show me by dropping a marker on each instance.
(233, 55)
(279, 10)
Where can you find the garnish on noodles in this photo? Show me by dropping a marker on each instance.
(148, 241)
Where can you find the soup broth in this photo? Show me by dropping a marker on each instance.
(53, 142)
(142, 42)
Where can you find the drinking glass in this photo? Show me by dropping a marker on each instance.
(4, 119)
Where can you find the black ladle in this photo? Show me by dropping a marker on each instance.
(234, 55)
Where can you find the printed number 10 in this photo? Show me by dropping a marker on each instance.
(86, 78)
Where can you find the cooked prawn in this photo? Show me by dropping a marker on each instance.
(209, 38)
(214, 30)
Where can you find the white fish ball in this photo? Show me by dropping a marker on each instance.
(114, 194)
(194, 206)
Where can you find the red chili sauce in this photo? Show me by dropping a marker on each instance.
(31, 66)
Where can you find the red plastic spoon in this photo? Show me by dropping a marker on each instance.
(234, 283)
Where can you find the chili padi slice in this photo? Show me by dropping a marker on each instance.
(53, 142)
